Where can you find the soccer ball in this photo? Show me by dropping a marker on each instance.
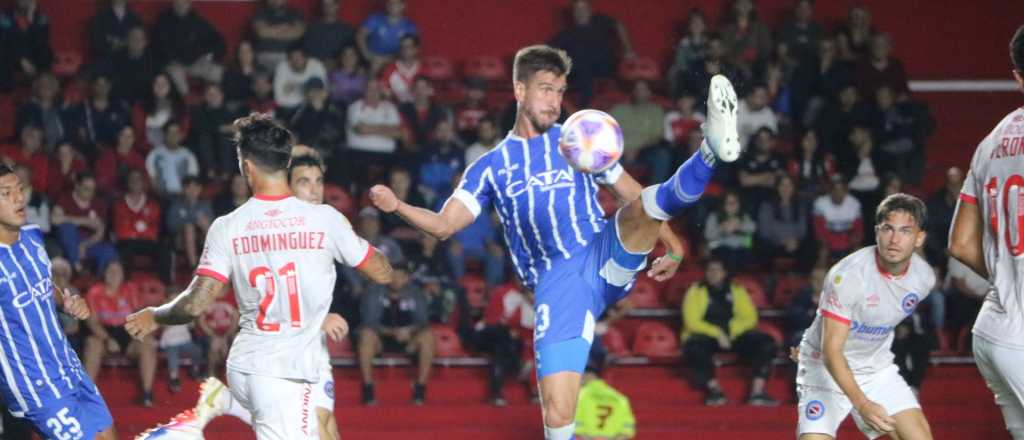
(591, 141)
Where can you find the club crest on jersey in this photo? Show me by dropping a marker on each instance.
(545, 181)
(815, 410)
(329, 389)
(909, 302)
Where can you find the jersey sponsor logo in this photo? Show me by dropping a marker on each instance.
(545, 181)
(273, 212)
(815, 410)
(864, 331)
(276, 223)
(833, 302)
(39, 290)
(909, 302)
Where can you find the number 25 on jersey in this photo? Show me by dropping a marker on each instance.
(269, 292)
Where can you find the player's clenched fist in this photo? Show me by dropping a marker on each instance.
(335, 327)
(141, 323)
(383, 198)
(76, 306)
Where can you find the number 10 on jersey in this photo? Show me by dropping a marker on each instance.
(1012, 198)
(269, 292)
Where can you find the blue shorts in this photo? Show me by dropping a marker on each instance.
(574, 293)
(78, 414)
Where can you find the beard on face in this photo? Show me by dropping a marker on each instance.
(538, 126)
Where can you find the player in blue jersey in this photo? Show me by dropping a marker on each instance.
(560, 244)
(41, 378)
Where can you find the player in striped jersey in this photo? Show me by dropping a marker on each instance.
(562, 247)
(41, 378)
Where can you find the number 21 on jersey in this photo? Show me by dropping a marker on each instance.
(1009, 194)
(269, 292)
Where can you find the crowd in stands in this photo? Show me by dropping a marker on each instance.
(129, 160)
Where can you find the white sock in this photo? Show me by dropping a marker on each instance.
(236, 409)
(562, 433)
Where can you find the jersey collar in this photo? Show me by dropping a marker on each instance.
(885, 273)
(272, 198)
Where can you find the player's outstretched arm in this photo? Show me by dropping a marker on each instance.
(965, 237)
(833, 339)
(377, 268)
(184, 308)
(453, 217)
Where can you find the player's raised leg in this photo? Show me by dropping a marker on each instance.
(638, 221)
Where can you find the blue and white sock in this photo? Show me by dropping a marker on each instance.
(563, 433)
(683, 189)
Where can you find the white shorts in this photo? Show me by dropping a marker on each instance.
(1001, 368)
(822, 408)
(282, 409)
(323, 391)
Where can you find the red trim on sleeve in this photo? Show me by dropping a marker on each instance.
(967, 198)
(834, 317)
(366, 258)
(272, 198)
(202, 271)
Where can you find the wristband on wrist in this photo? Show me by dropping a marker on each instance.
(674, 257)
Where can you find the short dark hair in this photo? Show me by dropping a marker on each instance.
(264, 141)
(5, 170)
(1017, 49)
(532, 59)
(414, 37)
(905, 203)
(305, 160)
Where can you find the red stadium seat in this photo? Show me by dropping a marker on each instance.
(489, 68)
(754, 289)
(675, 289)
(340, 349)
(772, 329)
(66, 63)
(446, 342)
(615, 342)
(787, 288)
(655, 339)
(639, 68)
(476, 290)
(340, 199)
(7, 117)
(151, 290)
(437, 68)
(645, 294)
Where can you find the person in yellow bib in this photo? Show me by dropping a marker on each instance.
(603, 413)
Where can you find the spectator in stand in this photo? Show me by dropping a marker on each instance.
(683, 119)
(395, 320)
(261, 99)
(441, 160)
(319, 123)
(162, 105)
(776, 76)
(26, 42)
(190, 45)
(134, 68)
(486, 139)
(422, 116)
(394, 227)
(379, 37)
(746, 38)
(718, 315)
(290, 79)
(399, 76)
(641, 120)
(114, 163)
(865, 169)
(838, 120)
(602, 412)
(211, 134)
(325, 38)
(470, 112)
(136, 230)
(941, 206)
(374, 127)
(98, 119)
(591, 41)
(236, 195)
(74, 330)
(838, 224)
(348, 80)
(238, 77)
(369, 227)
(276, 28)
(760, 166)
(218, 327)
(901, 129)
(110, 29)
(174, 341)
(698, 78)
(801, 33)
(169, 164)
(801, 312)
(811, 166)
(431, 274)
(65, 166)
(80, 218)
(783, 226)
(30, 153)
(188, 219)
(505, 333)
(46, 110)
(817, 81)
(854, 37)
(754, 113)
(691, 50)
(111, 301)
(37, 205)
(729, 231)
